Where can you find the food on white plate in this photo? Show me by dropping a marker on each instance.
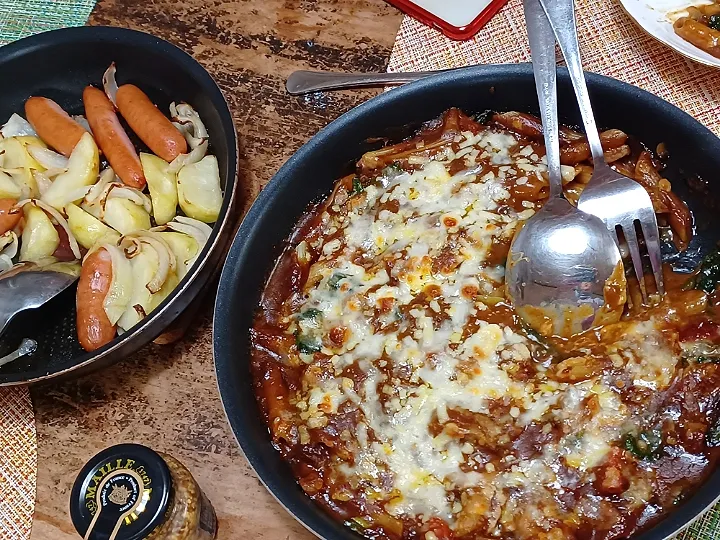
(73, 190)
(701, 27)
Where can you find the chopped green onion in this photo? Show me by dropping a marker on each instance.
(646, 445)
(357, 186)
(714, 22)
(335, 279)
(307, 344)
(312, 314)
(712, 437)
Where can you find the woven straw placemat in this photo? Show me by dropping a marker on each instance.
(20, 18)
(611, 45)
(18, 440)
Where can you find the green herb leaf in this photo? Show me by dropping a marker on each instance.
(335, 279)
(714, 22)
(312, 314)
(708, 277)
(307, 344)
(357, 186)
(394, 169)
(646, 445)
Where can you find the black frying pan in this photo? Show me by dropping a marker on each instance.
(310, 173)
(58, 65)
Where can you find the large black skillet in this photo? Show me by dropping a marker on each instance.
(310, 173)
(58, 65)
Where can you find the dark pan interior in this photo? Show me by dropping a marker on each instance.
(310, 174)
(59, 65)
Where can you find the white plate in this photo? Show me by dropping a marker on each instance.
(656, 18)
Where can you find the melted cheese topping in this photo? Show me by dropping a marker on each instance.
(444, 397)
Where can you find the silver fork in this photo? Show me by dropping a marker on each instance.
(617, 200)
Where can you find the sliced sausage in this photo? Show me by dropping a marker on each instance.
(93, 326)
(53, 124)
(151, 125)
(111, 137)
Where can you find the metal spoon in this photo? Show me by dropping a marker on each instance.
(304, 82)
(562, 260)
(27, 346)
(28, 289)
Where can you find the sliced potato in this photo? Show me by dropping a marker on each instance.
(16, 155)
(87, 229)
(184, 246)
(163, 190)
(199, 192)
(8, 188)
(125, 216)
(83, 169)
(25, 180)
(39, 238)
(162, 294)
(144, 265)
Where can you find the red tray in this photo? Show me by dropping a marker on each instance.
(437, 21)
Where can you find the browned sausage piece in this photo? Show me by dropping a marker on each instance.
(151, 125)
(111, 137)
(53, 124)
(93, 326)
(9, 215)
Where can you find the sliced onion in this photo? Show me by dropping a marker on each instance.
(42, 180)
(118, 297)
(74, 247)
(110, 85)
(130, 246)
(106, 176)
(5, 263)
(188, 121)
(47, 158)
(131, 194)
(9, 244)
(17, 126)
(192, 227)
(72, 196)
(80, 119)
(194, 156)
(166, 260)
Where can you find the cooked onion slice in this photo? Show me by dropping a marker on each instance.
(80, 119)
(118, 296)
(17, 126)
(42, 180)
(192, 227)
(194, 156)
(9, 244)
(188, 121)
(166, 259)
(110, 85)
(47, 158)
(121, 191)
(59, 219)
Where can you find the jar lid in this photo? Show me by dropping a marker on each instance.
(121, 494)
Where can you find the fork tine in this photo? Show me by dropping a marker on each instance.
(648, 224)
(634, 248)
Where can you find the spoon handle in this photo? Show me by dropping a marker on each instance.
(561, 14)
(542, 49)
(28, 346)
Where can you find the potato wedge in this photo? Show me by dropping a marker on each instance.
(8, 188)
(39, 237)
(184, 246)
(199, 192)
(83, 169)
(163, 190)
(125, 216)
(144, 265)
(87, 229)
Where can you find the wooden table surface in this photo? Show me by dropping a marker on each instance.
(166, 396)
